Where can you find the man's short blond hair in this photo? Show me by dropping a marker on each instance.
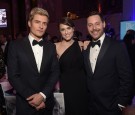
(39, 11)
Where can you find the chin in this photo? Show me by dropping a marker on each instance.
(68, 39)
(96, 38)
(39, 36)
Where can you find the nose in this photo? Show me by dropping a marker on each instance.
(41, 25)
(94, 27)
(66, 31)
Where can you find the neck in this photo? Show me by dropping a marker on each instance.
(37, 38)
(68, 41)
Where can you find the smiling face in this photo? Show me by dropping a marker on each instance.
(95, 26)
(66, 31)
(38, 26)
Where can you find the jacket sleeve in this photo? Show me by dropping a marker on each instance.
(14, 72)
(125, 75)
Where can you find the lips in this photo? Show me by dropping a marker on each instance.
(95, 32)
(40, 31)
(67, 36)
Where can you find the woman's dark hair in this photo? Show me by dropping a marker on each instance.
(66, 21)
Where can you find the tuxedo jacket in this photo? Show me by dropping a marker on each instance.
(6, 52)
(2, 64)
(25, 78)
(112, 81)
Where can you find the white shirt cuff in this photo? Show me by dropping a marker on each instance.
(121, 106)
(43, 95)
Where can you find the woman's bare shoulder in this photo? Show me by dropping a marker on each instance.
(57, 44)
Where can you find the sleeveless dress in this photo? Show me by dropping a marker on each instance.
(73, 81)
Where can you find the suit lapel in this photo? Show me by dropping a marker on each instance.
(29, 53)
(105, 45)
(45, 56)
(89, 69)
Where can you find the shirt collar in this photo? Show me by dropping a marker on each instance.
(102, 39)
(32, 38)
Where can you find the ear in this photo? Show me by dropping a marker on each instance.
(104, 24)
(29, 23)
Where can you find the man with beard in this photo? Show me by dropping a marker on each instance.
(109, 72)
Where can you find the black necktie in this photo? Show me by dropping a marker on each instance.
(95, 43)
(40, 43)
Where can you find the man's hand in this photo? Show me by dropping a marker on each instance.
(35, 100)
(130, 110)
(41, 106)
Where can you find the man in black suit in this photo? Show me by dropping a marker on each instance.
(109, 72)
(33, 68)
(2, 72)
(4, 43)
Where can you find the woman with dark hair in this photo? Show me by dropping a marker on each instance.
(72, 78)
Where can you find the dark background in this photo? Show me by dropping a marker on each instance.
(17, 10)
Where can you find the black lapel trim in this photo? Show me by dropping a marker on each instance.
(28, 49)
(87, 60)
(46, 53)
(104, 47)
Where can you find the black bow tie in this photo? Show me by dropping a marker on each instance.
(40, 43)
(95, 43)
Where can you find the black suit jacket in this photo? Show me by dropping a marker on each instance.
(112, 81)
(6, 52)
(25, 78)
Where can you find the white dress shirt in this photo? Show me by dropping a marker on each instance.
(38, 54)
(94, 51)
(4, 46)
